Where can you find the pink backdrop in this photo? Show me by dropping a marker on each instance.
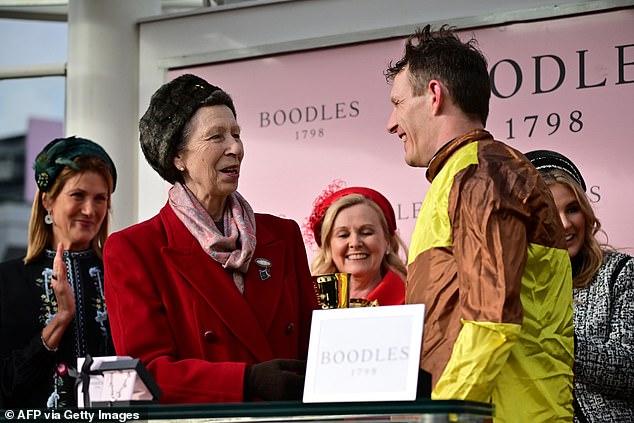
(312, 117)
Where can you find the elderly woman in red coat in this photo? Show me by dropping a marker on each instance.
(215, 299)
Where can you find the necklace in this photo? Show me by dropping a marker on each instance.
(118, 379)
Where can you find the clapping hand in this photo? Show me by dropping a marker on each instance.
(53, 331)
(61, 287)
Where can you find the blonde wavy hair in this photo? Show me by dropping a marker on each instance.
(590, 258)
(41, 234)
(323, 263)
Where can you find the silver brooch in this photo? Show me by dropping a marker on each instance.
(264, 265)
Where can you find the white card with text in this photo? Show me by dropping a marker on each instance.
(364, 354)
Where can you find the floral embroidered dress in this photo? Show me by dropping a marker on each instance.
(31, 376)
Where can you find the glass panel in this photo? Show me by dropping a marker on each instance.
(32, 42)
(31, 114)
(421, 410)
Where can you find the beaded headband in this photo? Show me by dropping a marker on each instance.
(61, 153)
(545, 160)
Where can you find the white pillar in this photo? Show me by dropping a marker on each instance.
(102, 86)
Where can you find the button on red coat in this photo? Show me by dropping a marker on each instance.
(210, 336)
(289, 328)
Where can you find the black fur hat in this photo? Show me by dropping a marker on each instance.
(171, 107)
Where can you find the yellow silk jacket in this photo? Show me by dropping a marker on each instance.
(489, 260)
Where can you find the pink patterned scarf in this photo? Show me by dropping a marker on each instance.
(234, 248)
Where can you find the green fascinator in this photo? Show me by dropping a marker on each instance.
(60, 153)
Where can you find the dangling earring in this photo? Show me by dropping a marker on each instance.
(48, 219)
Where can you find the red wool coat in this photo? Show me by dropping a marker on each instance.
(180, 312)
(390, 291)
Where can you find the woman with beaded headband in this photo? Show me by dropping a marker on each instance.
(355, 229)
(603, 300)
(52, 305)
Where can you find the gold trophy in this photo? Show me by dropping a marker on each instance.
(332, 290)
(362, 302)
